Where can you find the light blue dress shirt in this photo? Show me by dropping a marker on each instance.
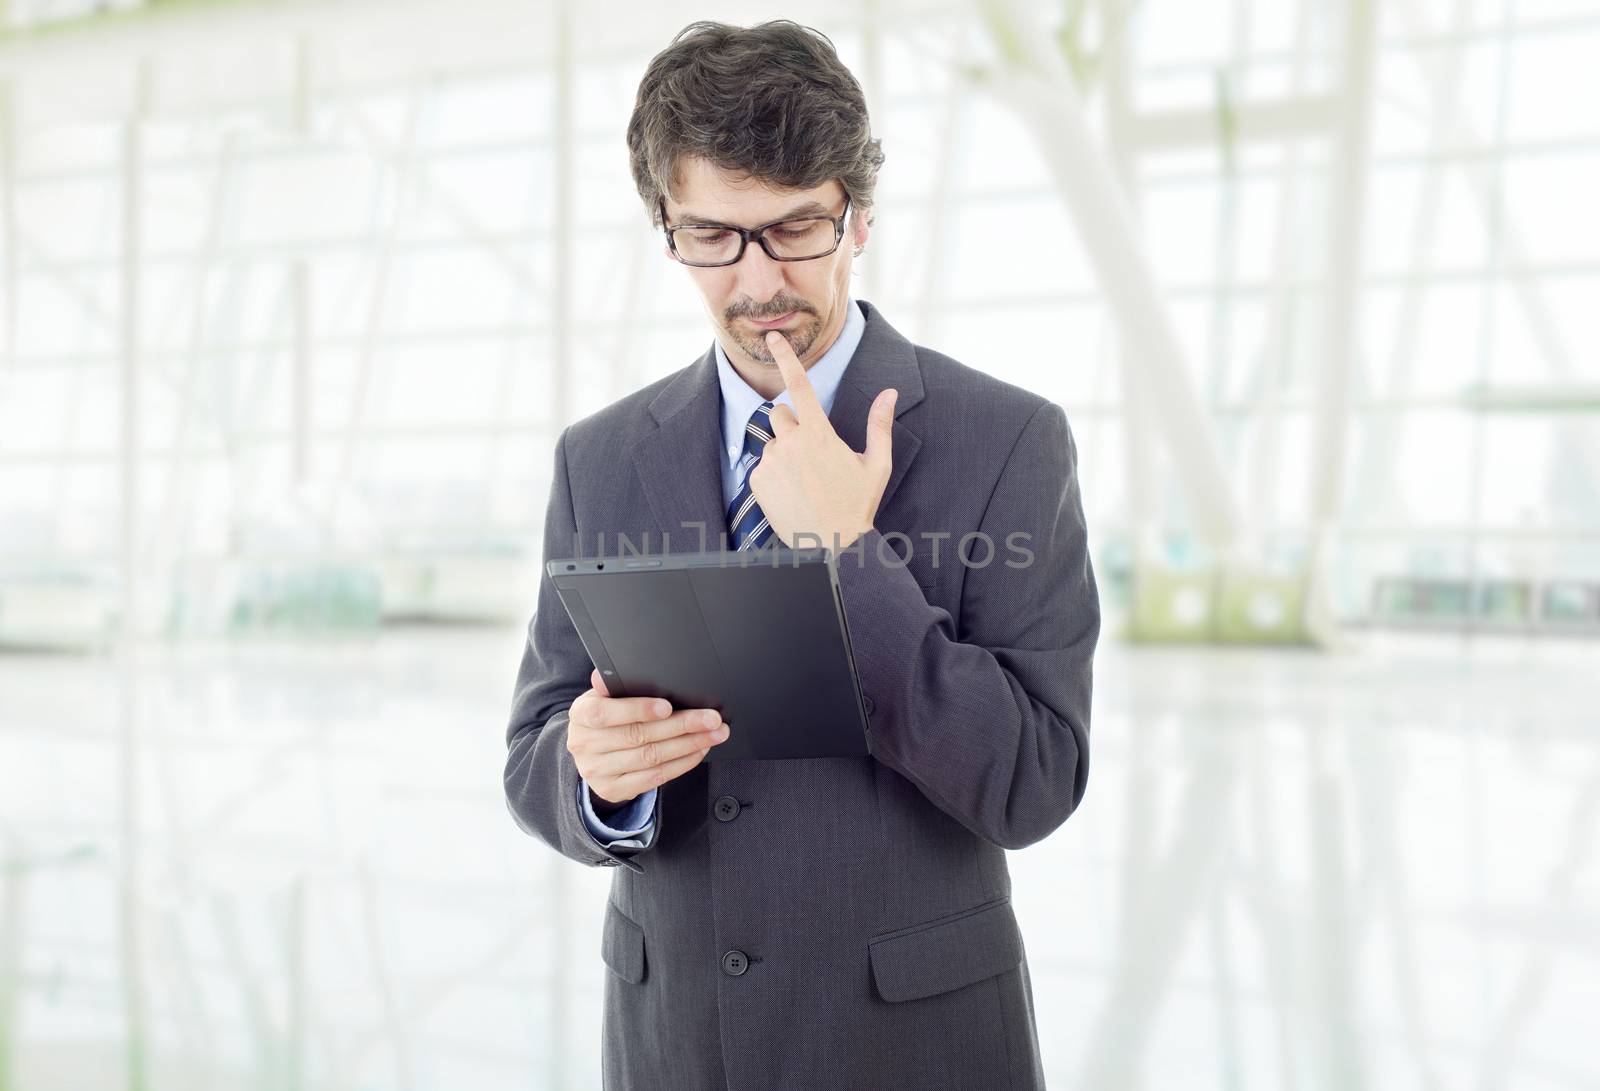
(739, 401)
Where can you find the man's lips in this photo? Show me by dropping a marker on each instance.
(774, 323)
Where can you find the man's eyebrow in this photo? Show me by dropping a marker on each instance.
(809, 208)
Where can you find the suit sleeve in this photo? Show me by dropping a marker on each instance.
(541, 778)
(990, 723)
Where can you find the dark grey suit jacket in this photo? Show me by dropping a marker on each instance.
(840, 923)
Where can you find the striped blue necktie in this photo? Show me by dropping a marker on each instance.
(748, 525)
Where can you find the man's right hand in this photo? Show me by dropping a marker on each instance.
(624, 746)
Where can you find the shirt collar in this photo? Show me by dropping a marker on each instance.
(739, 399)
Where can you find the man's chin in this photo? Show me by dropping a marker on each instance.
(757, 350)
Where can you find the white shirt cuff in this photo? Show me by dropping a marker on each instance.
(630, 821)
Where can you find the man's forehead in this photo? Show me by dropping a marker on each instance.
(708, 195)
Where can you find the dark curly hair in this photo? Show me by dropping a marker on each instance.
(771, 102)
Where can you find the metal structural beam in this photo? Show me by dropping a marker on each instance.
(871, 68)
(8, 227)
(130, 911)
(1501, 217)
(1241, 599)
(1341, 308)
(401, 209)
(1268, 404)
(563, 918)
(933, 273)
(1038, 86)
(562, 248)
(1138, 425)
(1286, 119)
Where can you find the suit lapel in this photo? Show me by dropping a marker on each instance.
(678, 462)
(883, 359)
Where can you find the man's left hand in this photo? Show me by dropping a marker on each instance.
(809, 481)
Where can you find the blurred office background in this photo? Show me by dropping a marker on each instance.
(298, 295)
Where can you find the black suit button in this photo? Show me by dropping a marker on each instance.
(735, 963)
(726, 808)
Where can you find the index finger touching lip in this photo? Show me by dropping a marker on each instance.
(795, 379)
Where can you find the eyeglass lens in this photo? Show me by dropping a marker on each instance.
(792, 239)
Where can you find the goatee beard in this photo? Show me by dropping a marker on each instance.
(800, 340)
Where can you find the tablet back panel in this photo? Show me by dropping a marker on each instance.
(765, 644)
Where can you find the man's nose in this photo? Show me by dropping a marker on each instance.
(759, 277)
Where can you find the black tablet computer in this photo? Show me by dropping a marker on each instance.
(761, 637)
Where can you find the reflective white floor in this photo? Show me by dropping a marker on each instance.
(291, 867)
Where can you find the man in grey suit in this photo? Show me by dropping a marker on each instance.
(814, 923)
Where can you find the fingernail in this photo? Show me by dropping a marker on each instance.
(663, 708)
(720, 732)
(711, 719)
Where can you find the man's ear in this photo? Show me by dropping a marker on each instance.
(860, 229)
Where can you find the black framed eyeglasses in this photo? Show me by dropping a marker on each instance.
(708, 245)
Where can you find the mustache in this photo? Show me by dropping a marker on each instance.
(770, 310)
